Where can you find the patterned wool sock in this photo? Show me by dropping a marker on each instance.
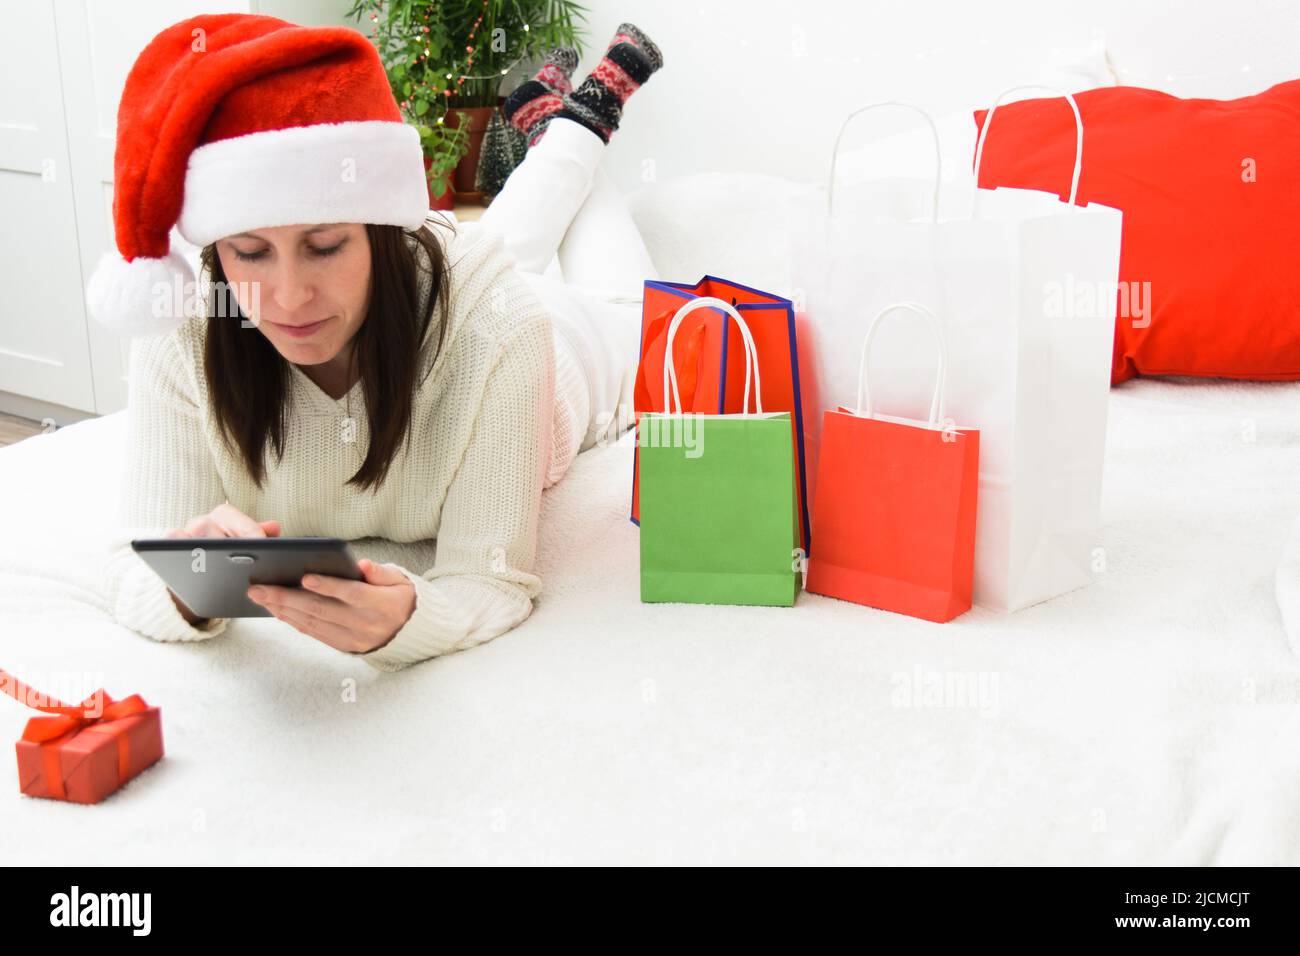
(630, 33)
(530, 107)
(557, 70)
(598, 103)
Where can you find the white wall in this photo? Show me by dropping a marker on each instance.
(761, 85)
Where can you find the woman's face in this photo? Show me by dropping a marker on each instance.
(306, 288)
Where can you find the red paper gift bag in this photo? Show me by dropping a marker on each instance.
(894, 517)
(710, 366)
(85, 751)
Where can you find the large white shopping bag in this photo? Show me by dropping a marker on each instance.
(1027, 284)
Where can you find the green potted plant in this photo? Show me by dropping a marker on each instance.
(445, 62)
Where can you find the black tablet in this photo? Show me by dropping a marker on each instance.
(212, 575)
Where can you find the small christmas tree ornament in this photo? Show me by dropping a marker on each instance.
(504, 148)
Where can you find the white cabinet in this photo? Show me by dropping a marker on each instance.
(64, 65)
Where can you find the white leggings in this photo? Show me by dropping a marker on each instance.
(573, 239)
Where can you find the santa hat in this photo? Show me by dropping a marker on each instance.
(236, 122)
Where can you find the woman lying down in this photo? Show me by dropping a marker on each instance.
(361, 368)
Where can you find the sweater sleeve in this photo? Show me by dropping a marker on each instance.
(169, 478)
(482, 583)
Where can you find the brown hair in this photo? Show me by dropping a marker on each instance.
(248, 379)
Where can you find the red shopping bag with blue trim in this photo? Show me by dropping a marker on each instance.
(710, 364)
(896, 499)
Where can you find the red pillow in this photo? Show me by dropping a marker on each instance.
(1210, 191)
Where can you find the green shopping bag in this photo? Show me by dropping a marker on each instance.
(719, 519)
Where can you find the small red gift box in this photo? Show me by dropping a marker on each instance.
(85, 751)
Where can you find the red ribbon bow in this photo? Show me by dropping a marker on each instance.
(92, 714)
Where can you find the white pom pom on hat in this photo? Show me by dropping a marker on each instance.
(143, 296)
(263, 123)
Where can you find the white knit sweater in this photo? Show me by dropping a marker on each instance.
(481, 445)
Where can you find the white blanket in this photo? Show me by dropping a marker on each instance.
(1150, 718)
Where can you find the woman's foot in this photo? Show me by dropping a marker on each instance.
(530, 107)
(631, 59)
(630, 32)
(557, 69)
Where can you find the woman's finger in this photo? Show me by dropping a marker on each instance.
(362, 620)
(239, 525)
(382, 574)
(306, 603)
(327, 632)
(341, 589)
(266, 594)
(205, 527)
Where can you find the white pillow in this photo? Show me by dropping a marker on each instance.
(736, 225)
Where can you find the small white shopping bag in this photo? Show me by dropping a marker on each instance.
(1028, 287)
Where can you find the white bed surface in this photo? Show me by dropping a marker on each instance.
(1149, 718)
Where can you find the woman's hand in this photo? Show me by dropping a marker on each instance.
(223, 521)
(350, 616)
(226, 521)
